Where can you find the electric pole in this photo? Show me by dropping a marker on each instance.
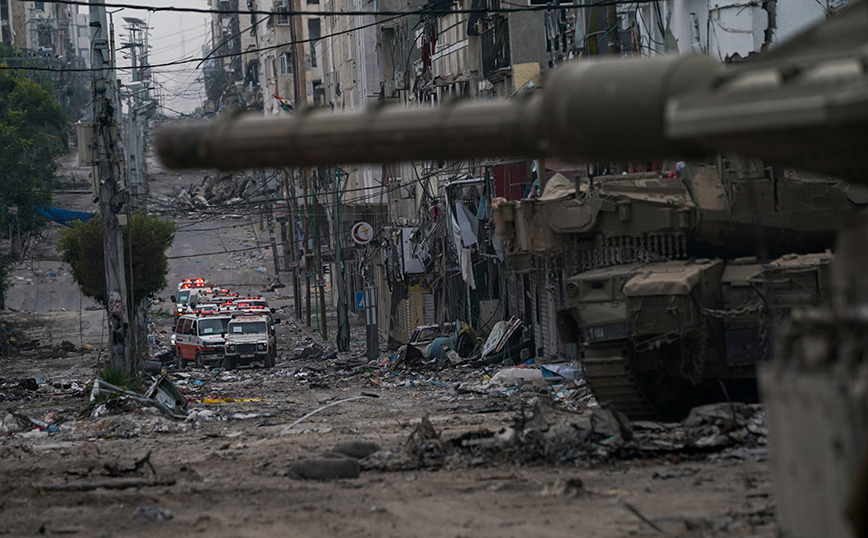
(318, 270)
(339, 280)
(291, 261)
(307, 263)
(269, 219)
(106, 175)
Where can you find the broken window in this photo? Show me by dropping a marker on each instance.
(282, 18)
(286, 63)
(314, 33)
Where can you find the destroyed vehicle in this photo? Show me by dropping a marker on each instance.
(249, 338)
(435, 343)
(424, 335)
(200, 337)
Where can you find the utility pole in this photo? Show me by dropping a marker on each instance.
(106, 173)
(307, 268)
(320, 277)
(340, 283)
(292, 261)
(269, 219)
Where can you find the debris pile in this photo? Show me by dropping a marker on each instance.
(549, 433)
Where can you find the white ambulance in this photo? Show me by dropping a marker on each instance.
(200, 338)
(187, 288)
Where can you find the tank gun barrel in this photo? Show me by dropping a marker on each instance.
(576, 117)
(803, 104)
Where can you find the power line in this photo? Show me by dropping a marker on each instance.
(214, 57)
(325, 13)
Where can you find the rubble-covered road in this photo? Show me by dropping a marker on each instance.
(449, 462)
(450, 451)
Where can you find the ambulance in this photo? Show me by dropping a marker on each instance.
(200, 337)
(187, 288)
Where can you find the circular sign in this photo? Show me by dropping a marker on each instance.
(362, 233)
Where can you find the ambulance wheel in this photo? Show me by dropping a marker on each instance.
(181, 360)
(200, 359)
(228, 363)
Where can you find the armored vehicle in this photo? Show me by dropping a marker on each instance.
(658, 338)
(665, 291)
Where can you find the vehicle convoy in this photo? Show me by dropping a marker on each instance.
(250, 338)
(200, 337)
(673, 284)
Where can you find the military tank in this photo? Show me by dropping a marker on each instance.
(719, 240)
(670, 302)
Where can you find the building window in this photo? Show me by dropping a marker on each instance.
(318, 93)
(313, 2)
(282, 19)
(286, 63)
(314, 33)
(40, 6)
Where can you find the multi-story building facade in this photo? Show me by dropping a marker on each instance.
(12, 18)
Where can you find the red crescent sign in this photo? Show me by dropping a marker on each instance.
(362, 233)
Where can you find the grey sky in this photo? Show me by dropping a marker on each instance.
(173, 37)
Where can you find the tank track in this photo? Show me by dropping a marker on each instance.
(614, 385)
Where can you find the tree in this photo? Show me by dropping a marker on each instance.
(33, 131)
(32, 134)
(149, 236)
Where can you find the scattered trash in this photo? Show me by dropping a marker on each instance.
(161, 402)
(219, 400)
(152, 513)
(560, 372)
(167, 394)
(515, 377)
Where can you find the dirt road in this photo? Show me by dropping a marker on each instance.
(529, 460)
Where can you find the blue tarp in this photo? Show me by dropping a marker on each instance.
(63, 216)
